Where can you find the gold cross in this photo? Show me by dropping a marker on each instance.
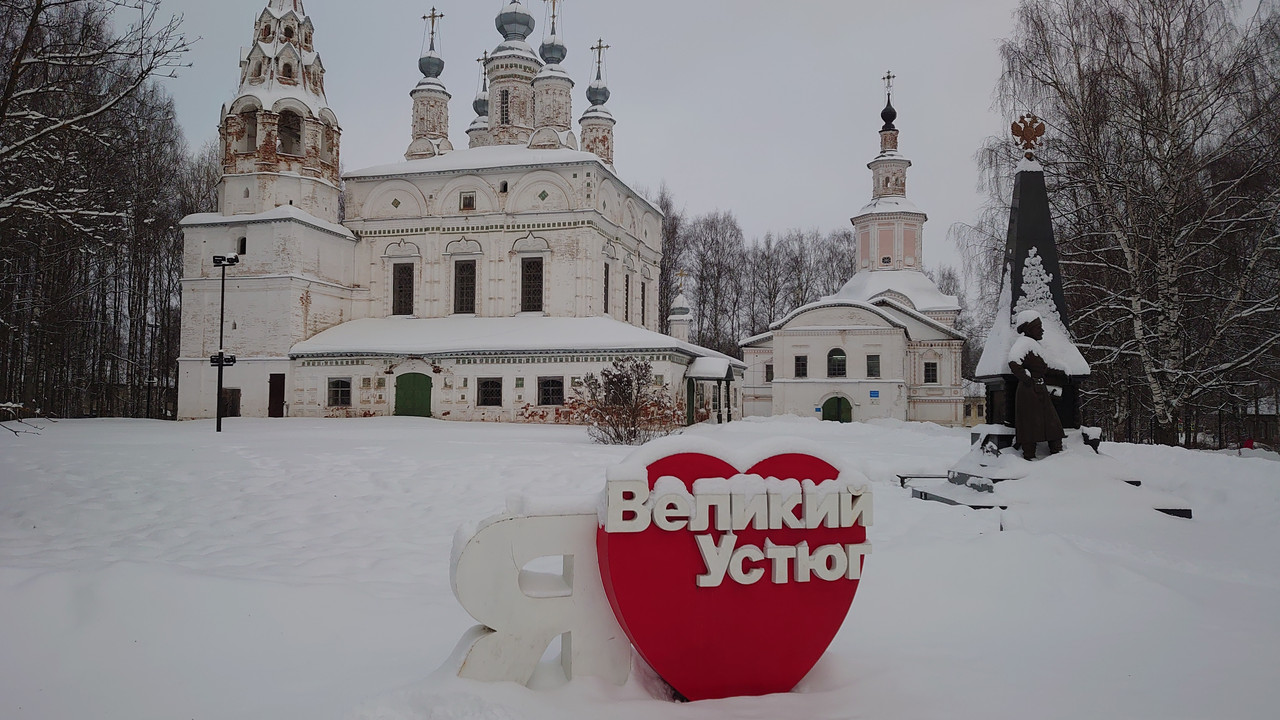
(554, 5)
(599, 49)
(888, 79)
(433, 18)
(682, 275)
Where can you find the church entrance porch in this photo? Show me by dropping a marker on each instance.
(837, 409)
(413, 395)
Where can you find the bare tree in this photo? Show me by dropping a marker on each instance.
(672, 253)
(1164, 174)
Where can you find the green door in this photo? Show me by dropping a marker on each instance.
(413, 395)
(837, 409)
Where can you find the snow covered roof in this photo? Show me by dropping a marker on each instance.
(911, 284)
(709, 368)
(889, 204)
(481, 158)
(884, 307)
(454, 335)
(282, 213)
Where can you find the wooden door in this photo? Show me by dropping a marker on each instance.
(413, 395)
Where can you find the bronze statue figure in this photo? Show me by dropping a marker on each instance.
(1035, 419)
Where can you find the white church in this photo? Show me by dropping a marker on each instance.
(885, 345)
(468, 284)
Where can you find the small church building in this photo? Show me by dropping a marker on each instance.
(885, 345)
(481, 283)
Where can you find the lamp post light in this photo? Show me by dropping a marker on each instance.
(222, 359)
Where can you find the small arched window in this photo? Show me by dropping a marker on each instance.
(288, 33)
(246, 193)
(837, 363)
(257, 69)
(287, 71)
(266, 32)
(242, 246)
(502, 187)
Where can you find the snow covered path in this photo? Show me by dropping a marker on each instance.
(299, 569)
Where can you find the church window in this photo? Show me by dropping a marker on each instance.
(290, 133)
(287, 71)
(644, 303)
(402, 289)
(250, 120)
(802, 366)
(968, 411)
(502, 188)
(242, 246)
(980, 410)
(504, 105)
(288, 33)
(464, 287)
(550, 391)
(931, 373)
(266, 32)
(246, 192)
(837, 363)
(340, 392)
(606, 288)
(873, 366)
(531, 284)
(489, 392)
(257, 69)
(467, 201)
(768, 372)
(626, 295)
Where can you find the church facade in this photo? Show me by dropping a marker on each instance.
(885, 345)
(480, 283)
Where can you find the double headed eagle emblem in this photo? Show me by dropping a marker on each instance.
(1029, 130)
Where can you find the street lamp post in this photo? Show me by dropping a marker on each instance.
(222, 359)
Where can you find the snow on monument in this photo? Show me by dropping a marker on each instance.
(1031, 280)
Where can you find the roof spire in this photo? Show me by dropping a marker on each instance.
(481, 103)
(431, 64)
(597, 91)
(888, 114)
(553, 50)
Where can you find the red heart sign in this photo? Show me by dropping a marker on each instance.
(767, 620)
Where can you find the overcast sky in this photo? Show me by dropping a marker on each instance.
(768, 109)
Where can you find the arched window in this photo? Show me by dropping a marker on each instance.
(502, 187)
(288, 33)
(290, 133)
(250, 142)
(266, 32)
(257, 69)
(287, 71)
(837, 363)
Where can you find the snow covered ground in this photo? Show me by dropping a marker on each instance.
(299, 569)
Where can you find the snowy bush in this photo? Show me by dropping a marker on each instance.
(623, 406)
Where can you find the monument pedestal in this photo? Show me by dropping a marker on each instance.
(991, 476)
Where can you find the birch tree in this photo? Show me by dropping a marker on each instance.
(1164, 175)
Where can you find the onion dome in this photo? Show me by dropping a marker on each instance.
(514, 22)
(597, 92)
(553, 50)
(431, 64)
(888, 115)
(481, 103)
(680, 306)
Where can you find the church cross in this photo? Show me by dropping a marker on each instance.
(682, 275)
(888, 79)
(554, 13)
(599, 49)
(433, 18)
